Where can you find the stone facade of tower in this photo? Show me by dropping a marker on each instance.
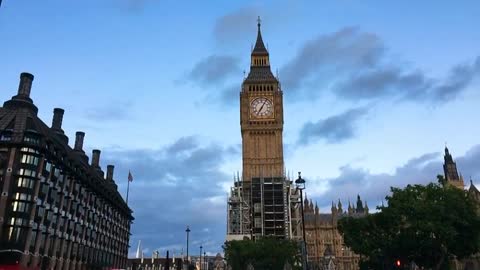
(261, 118)
(325, 245)
(450, 171)
(262, 202)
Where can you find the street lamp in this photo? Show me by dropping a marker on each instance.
(200, 258)
(300, 183)
(205, 260)
(188, 232)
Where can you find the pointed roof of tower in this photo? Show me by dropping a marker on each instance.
(359, 204)
(448, 157)
(473, 188)
(260, 64)
(259, 48)
(334, 208)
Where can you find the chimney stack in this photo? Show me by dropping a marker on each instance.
(96, 158)
(110, 172)
(25, 85)
(22, 98)
(57, 119)
(57, 124)
(79, 141)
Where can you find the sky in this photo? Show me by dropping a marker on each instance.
(373, 90)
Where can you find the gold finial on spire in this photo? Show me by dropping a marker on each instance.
(259, 21)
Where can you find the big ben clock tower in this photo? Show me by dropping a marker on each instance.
(261, 118)
(262, 202)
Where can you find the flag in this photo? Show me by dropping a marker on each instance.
(130, 177)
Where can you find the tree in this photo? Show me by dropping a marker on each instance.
(422, 224)
(264, 253)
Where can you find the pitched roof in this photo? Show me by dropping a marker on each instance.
(260, 75)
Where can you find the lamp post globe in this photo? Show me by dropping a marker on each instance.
(300, 182)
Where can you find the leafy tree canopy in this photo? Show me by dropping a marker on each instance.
(264, 254)
(422, 224)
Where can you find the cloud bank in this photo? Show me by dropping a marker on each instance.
(177, 185)
(334, 129)
(357, 67)
(374, 187)
(214, 69)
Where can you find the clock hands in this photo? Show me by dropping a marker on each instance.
(262, 105)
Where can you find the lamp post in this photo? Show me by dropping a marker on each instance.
(188, 232)
(300, 183)
(200, 258)
(205, 261)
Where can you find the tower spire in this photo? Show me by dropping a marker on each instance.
(260, 62)
(259, 49)
(450, 170)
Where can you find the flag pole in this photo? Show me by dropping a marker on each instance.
(130, 179)
(128, 187)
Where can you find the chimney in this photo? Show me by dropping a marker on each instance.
(110, 172)
(22, 98)
(57, 119)
(79, 141)
(25, 85)
(96, 158)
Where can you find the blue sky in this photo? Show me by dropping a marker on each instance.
(372, 91)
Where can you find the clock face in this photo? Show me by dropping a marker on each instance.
(261, 107)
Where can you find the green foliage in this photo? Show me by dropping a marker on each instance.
(425, 224)
(264, 254)
(441, 180)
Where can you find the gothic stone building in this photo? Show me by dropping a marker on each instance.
(453, 178)
(325, 246)
(57, 210)
(326, 249)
